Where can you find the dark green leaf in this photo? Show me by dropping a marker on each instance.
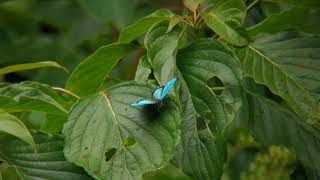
(120, 12)
(168, 173)
(202, 62)
(226, 18)
(288, 64)
(89, 75)
(302, 3)
(32, 96)
(100, 127)
(200, 153)
(304, 19)
(47, 163)
(136, 29)
(13, 126)
(271, 123)
(29, 66)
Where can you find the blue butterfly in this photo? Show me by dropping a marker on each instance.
(157, 95)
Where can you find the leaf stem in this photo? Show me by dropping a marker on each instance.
(252, 4)
(66, 91)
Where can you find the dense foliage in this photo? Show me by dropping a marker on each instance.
(246, 104)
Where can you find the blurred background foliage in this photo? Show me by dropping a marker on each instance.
(67, 31)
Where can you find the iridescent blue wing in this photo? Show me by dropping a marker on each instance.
(157, 93)
(143, 102)
(167, 87)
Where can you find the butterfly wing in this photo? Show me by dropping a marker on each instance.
(157, 93)
(143, 102)
(167, 87)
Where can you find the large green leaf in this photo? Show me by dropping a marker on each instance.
(271, 123)
(202, 62)
(136, 29)
(226, 18)
(304, 19)
(47, 163)
(29, 66)
(112, 140)
(288, 64)
(89, 75)
(201, 154)
(13, 126)
(32, 96)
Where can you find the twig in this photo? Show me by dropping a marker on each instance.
(66, 91)
(252, 4)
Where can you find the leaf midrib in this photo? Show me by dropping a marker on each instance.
(119, 132)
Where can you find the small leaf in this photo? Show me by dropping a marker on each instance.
(226, 18)
(112, 140)
(174, 21)
(89, 75)
(192, 4)
(135, 30)
(288, 64)
(47, 163)
(13, 126)
(29, 66)
(143, 70)
(161, 50)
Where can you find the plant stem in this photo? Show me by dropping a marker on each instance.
(252, 4)
(66, 91)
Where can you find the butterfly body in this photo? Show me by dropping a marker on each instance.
(157, 95)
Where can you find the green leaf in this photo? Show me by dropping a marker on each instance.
(304, 3)
(162, 49)
(29, 66)
(208, 60)
(136, 29)
(47, 163)
(272, 123)
(8, 172)
(143, 70)
(112, 140)
(13, 126)
(89, 75)
(200, 153)
(303, 19)
(31, 96)
(288, 64)
(120, 12)
(168, 173)
(226, 18)
(192, 4)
